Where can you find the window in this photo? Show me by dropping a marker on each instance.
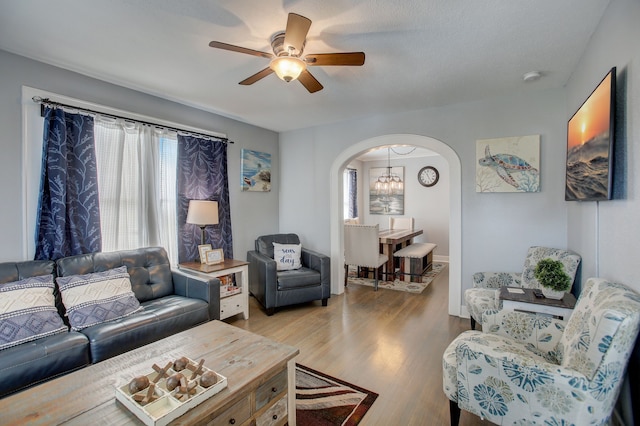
(350, 191)
(129, 165)
(137, 185)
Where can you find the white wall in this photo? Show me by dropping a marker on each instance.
(607, 233)
(252, 214)
(497, 229)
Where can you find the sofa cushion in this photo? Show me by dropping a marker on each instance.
(148, 268)
(298, 278)
(287, 256)
(28, 311)
(159, 319)
(39, 360)
(95, 298)
(264, 244)
(16, 271)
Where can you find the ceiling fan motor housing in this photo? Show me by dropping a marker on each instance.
(287, 61)
(279, 49)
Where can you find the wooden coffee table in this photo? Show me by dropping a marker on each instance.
(260, 374)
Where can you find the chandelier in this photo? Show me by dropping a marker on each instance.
(388, 183)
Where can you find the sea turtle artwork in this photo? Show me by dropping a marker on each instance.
(505, 165)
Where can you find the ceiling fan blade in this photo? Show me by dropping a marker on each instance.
(309, 82)
(325, 59)
(257, 76)
(231, 47)
(296, 32)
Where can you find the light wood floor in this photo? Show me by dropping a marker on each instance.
(389, 342)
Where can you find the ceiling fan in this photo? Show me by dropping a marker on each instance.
(287, 60)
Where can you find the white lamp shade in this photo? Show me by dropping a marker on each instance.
(288, 68)
(202, 212)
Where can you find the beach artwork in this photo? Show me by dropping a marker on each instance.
(256, 171)
(389, 200)
(589, 147)
(508, 164)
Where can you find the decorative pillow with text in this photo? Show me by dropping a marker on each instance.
(287, 256)
(98, 297)
(28, 311)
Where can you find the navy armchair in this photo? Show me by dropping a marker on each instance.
(275, 288)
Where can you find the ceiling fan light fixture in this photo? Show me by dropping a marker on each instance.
(288, 68)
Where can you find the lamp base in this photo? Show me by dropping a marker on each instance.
(201, 242)
(202, 234)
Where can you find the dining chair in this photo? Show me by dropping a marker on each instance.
(362, 249)
(404, 222)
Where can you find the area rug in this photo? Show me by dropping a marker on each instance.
(397, 284)
(323, 400)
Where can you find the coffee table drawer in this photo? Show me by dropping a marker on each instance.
(271, 389)
(237, 414)
(275, 415)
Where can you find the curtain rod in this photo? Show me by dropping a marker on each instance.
(47, 101)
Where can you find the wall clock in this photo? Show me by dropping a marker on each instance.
(428, 176)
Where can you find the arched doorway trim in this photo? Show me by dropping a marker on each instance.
(455, 208)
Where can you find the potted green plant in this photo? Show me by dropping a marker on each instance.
(552, 277)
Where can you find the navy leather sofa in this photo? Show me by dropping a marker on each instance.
(172, 302)
(45, 358)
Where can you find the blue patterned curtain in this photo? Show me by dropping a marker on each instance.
(68, 220)
(353, 193)
(202, 175)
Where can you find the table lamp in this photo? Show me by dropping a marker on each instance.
(202, 213)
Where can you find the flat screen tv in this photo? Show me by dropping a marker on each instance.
(590, 134)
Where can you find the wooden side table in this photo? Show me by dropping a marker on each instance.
(230, 304)
(528, 302)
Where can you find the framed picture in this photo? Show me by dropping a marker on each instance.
(590, 136)
(256, 171)
(386, 199)
(214, 256)
(202, 250)
(508, 164)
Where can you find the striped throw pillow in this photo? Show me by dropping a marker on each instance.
(98, 297)
(28, 311)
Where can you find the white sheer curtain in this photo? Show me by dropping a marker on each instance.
(137, 185)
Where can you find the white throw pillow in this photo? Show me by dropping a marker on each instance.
(287, 256)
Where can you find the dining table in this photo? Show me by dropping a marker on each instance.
(392, 239)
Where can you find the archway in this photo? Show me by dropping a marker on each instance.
(455, 208)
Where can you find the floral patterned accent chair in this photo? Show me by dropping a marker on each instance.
(531, 369)
(485, 294)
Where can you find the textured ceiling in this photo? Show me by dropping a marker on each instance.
(419, 53)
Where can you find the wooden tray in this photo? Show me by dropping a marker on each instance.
(168, 405)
